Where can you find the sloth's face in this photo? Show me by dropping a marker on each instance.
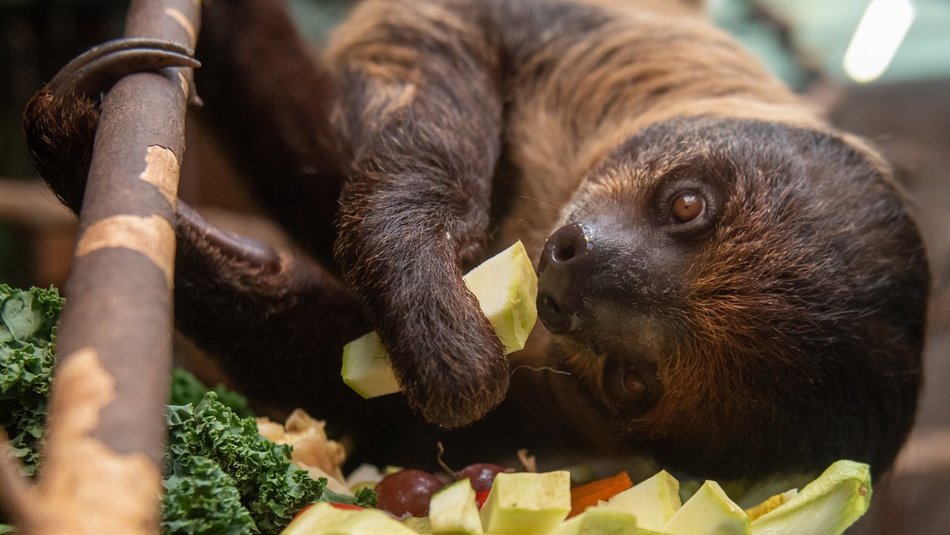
(717, 277)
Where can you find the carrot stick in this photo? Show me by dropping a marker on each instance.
(588, 494)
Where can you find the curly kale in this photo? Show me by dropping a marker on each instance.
(210, 447)
(27, 333)
(203, 499)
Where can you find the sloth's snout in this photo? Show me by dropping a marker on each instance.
(565, 260)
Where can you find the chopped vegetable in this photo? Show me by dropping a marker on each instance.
(453, 509)
(324, 519)
(827, 505)
(709, 511)
(584, 496)
(27, 335)
(527, 503)
(773, 502)
(599, 521)
(653, 501)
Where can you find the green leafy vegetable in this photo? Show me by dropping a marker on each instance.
(27, 333)
(203, 499)
(221, 457)
(186, 388)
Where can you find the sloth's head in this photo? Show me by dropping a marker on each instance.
(742, 297)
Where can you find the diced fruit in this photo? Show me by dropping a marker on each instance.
(827, 505)
(525, 503)
(653, 501)
(366, 367)
(589, 494)
(407, 492)
(506, 287)
(453, 509)
(599, 521)
(709, 511)
(324, 519)
(482, 475)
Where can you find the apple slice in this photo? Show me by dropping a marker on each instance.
(506, 287)
(653, 501)
(827, 505)
(527, 503)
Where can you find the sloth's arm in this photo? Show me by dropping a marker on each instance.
(422, 113)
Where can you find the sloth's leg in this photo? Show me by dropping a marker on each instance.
(263, 312)
(423, 113)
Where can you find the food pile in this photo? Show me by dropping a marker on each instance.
(489, 499)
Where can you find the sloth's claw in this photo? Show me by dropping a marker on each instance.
(101, 66)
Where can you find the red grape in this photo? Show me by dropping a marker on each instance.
(482, 475)
(407, 491)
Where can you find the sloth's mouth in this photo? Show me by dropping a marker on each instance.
(623, 379)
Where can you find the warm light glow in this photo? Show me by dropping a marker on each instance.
(877, 38)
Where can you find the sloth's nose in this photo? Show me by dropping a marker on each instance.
(565, 261)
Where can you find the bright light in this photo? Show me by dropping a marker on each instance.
(877, 38)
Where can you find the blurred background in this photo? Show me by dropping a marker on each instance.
(880, 67)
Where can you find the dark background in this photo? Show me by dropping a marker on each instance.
(906, 112)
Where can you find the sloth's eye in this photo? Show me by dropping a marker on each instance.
(687, 206)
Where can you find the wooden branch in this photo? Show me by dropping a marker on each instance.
(102, 461)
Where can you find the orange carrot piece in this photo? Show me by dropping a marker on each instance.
(583, 496)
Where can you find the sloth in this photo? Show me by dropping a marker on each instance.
(728, 285)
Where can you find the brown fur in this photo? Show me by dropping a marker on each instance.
(782, 334)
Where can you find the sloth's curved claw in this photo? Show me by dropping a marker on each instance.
(101, 66)
(228, 247)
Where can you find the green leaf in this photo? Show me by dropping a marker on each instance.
(27, 334)
(271, 488)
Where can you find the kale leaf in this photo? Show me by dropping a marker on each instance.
(186, 388)
(271, 489)
(27, 333)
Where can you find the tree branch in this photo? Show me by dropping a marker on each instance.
(105, 442)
